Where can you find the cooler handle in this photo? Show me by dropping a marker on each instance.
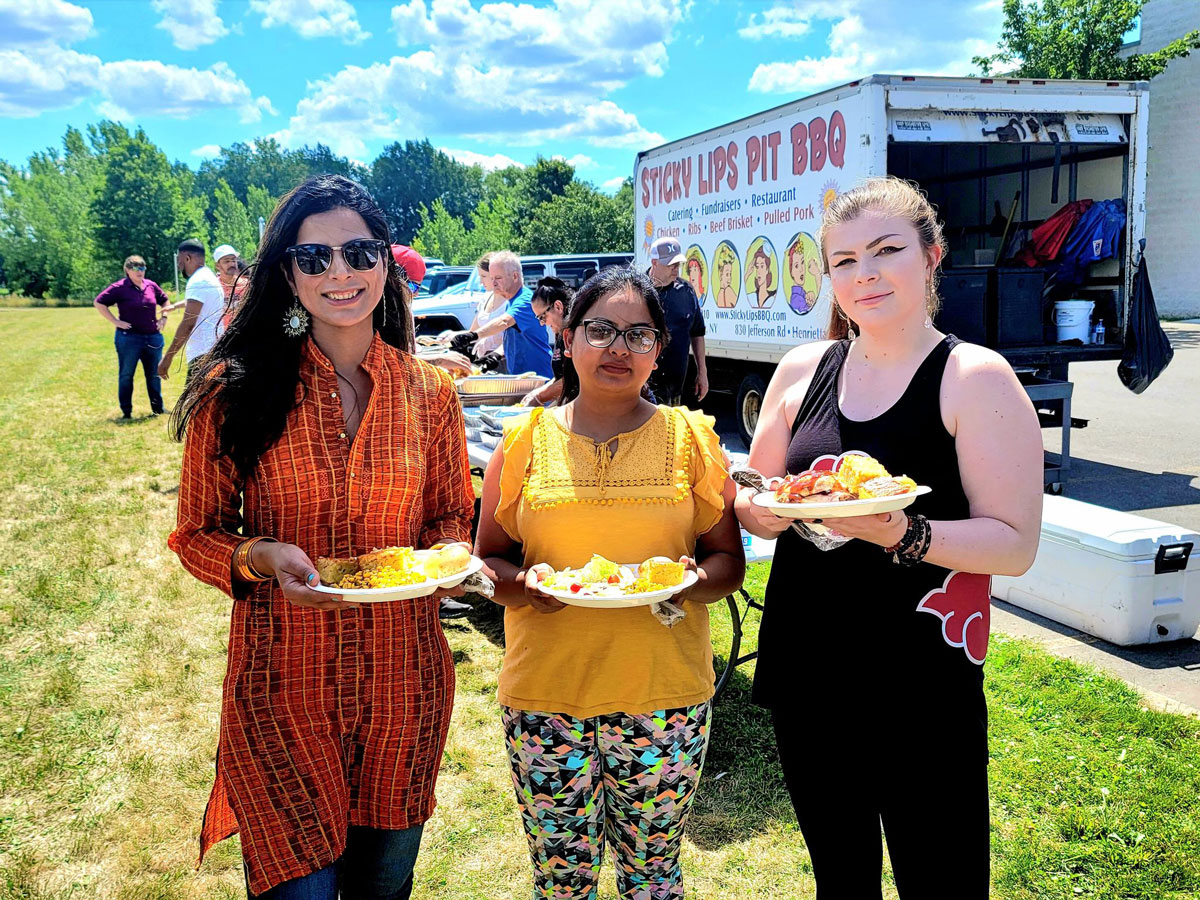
(1172, 557)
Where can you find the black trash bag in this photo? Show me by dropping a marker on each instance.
(1148, 350)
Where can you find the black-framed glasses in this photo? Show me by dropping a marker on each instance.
(362, 254)
(601, 334)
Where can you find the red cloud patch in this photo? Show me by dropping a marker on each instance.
(963, 603)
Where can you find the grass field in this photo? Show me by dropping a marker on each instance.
(111, 660)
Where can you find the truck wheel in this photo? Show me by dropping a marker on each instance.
(749, 404)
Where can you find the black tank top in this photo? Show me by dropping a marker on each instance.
(842, 622)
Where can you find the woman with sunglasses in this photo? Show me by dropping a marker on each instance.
(141, 314)
(311, 430)
(550, 302)
(605, 708)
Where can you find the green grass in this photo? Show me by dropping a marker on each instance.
(111, 660)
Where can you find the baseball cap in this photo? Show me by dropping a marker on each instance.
(223, 251)
(410, 261)
(666, 251)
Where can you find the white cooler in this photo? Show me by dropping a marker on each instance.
(1120, 577)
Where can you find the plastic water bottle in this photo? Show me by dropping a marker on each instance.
(1099, 338)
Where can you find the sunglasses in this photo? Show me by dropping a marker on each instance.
(601, 334)
(362, 254)
(136, 268)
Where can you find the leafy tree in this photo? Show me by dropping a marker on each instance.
(260, 205)
(232, 223)
(580, 220)
(46, 226)
(142, 206)
(264, 163)
(443, 235)
(1077, 39)
(408, 176)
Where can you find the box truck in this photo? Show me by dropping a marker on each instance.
(996, 156)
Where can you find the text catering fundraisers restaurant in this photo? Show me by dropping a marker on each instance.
(746, 207)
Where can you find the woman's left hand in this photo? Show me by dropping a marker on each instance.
(689, 565)
(884, 529)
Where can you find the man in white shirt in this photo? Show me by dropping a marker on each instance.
(205, 302)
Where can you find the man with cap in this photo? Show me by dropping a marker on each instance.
(228, 269)
(205, 303)
(685, 324)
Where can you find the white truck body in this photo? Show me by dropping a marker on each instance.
(762, 183)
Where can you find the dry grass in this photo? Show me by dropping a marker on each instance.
(111, 660)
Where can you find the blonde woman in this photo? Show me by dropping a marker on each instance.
(871, 654)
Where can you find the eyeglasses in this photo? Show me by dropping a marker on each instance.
(601, 334)
(362, 254)
(136, 267)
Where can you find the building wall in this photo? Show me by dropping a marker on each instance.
(1172, 173)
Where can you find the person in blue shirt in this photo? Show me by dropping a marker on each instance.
(526, 340)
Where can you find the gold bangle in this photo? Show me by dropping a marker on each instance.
(243, 570)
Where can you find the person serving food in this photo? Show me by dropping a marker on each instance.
(312, 431)
(871, 653)
(602, 707)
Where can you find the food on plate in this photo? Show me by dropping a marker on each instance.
(392, 567)
(857, 477)
(660, 570)
(604, 578)
(812, 487)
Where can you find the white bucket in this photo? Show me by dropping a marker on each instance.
(1074, 319)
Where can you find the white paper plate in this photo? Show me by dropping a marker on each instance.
(407, 591)
(625, 600)
(840, 510)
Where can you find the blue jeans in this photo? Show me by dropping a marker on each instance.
(131, 349)
(377, 865)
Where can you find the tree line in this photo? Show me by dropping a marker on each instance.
(69, 216)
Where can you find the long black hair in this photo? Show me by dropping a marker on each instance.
(252, 373)
(610, 280)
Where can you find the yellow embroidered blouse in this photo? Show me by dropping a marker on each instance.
(565, 497)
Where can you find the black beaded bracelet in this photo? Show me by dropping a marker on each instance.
(912, 548)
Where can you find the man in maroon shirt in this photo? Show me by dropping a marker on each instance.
(139, 302)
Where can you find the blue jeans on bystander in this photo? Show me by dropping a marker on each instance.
(133, 348)
(376, 865)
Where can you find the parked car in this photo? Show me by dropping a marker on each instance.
(437, 280)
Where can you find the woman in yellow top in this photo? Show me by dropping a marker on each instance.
(606, 711)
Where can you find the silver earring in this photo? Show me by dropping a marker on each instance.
(295, 320)
(928, 322)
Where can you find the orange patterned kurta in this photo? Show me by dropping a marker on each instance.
(329, 719)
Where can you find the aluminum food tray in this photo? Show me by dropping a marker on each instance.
(497, 385)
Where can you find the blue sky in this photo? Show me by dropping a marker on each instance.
(592, 81)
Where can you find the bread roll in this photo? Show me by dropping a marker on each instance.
(447, 561)
(332, 571)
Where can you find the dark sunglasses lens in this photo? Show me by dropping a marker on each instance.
(312, 259)
(598, 334)
(138, 268)
(361, 255)
(640, 340)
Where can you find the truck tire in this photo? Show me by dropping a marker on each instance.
(749, 404)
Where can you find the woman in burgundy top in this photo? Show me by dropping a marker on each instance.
(139, 302)
(871, 654)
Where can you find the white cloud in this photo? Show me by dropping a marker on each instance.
(191, 23)
(50, 78)
(614, 184)
(911, 48)
(790, 20)
(313, 18)
(488, 163)
(501, 71)
(208, 151)
(578, 161)
(24, 23)
(149, 87)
